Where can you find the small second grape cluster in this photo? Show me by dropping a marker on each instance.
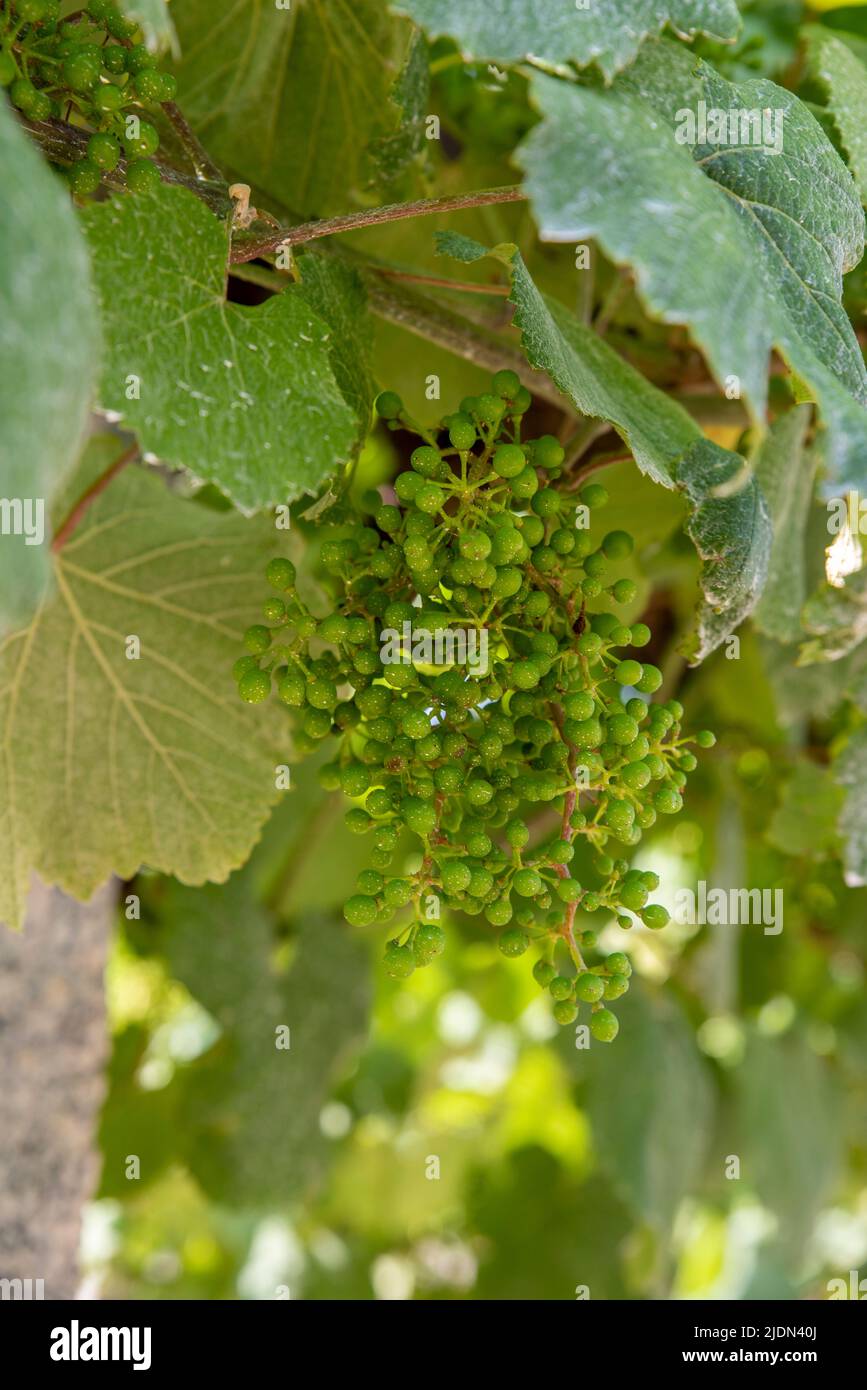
(93, 71)
(497, 773)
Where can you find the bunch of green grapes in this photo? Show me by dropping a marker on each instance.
(92, 70)
(487, 536)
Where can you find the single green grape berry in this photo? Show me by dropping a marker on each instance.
(640, 635)
(388, 405)
(514, 942)
(560, 987)
(655, 916)
(509, 460)
(499, 912)
(84, 177)
(604, 1026)
(628, 672)
(23, 94)
(428, 943)
(615, 986)
(593, 495)
(243, 665)
(618, 545)
(399, 962)
(257, 639)
(144, 142)
(139, 57)
(622, 729)
(619, 964)
(579, 706)
(705, 739)
(369, 882)
(398, 892)
(114, 59)
(624, 591)
(564, 1012)
(254, 686)
(569, 889)
(527, 883)
(104, 150)
(360, 910)
(455, 875)
(506, 384)
(142, 175)
(667, 801)
(281, 574)
(462, 432)
(430, 499)
(651, 680)
(543, 973)
(589, 987)
(118, 25)
(548, 452)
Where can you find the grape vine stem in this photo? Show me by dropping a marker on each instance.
(90, 494)
(250, 249)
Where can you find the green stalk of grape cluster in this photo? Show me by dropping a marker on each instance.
(92, 70)
(488, 536)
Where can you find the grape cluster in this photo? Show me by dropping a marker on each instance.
(94, 71)
(488, 535)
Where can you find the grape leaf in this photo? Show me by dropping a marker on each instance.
(155, 21)
(108, 762)
(836, 618)
(789, 1126)
(251, 1109)
(242, 397)
(291, 98)
(653, 1147)
(743, 246)
(805, 820)
(336, 294)
(732, 535)
(606, 32)
(785, 471)
(844, 79)
(49, 346)
(850, 770)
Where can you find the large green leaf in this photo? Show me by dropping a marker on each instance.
(835, 616)
(251, 1109)
(48, 360)
(785, 471)
(292, 98)
(789, 1128)
(745, 246)
(844, 79)
(108, 761)
(246, 398)
(731, 534)
(653, 1145)
(607, 32)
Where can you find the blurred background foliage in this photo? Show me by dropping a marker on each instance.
(441, 1137)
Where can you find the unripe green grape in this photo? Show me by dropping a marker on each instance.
(560, 987)
(509, 460)
(589, 987)
(84, 177)
(543, 973)
(388, 405)
(462, 432)
(527, 883)
(506, 384)
(399, 962)
(564, 1012)
(569, 889)
(593, 496)
(513, 942)
(655, 916)
(254, 686)
(499, 913)
(428, 943)
(360, 910)
(604, 1026)
(705, 739)
(142, 175)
